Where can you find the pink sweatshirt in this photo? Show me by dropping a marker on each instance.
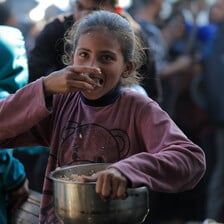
(131, 131)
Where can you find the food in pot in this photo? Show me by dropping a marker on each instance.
(73, 177)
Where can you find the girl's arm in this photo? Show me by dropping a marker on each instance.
(167, 160)
(19, 112)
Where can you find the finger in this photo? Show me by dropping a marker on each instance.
(103, 198)
(115, 184)
(103, 185)
(99, 184)
(106, 189)
(121, 191)
(85, 73)
(92, 178)
(83, 77)
(81, 69)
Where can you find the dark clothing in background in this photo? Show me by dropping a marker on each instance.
(214, 77)
(46, 56)
(213, 80)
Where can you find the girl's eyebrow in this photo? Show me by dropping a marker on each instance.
(103, 51)
(82, 48)
(107, 52)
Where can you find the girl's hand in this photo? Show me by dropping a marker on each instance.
(70, 79)
(109, 183)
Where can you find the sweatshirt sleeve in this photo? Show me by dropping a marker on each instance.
(22, 108)
(12, 171)
(168, 161)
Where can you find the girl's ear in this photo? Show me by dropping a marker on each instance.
(128, 69)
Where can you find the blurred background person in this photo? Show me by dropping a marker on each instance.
(146, 13)
(213, 81)
(46, 56)
(176, 44)
(13, 75)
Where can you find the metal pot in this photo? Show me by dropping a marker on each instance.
(77, 202)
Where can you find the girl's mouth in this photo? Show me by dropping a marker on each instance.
(98, 80)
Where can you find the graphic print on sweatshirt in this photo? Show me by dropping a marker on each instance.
(92, 143)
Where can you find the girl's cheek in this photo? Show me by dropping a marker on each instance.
(74, 59)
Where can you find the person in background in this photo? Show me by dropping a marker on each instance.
(173, 49)
(14, 188)
(213, 81)
(84, 103)
(46, 56)
(13, 75)
(146, 13)
(179, 102)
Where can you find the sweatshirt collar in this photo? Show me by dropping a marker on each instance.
(105, 100)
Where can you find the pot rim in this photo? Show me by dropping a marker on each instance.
(52, 173)
(60, 180)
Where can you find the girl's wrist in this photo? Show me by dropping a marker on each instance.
(46, 82)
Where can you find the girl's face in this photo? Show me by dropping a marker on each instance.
(101, 50)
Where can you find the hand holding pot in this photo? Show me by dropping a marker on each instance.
(109, 183)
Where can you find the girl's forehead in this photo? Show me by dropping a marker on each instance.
(98, 40)
(100, 30)
(101, 33)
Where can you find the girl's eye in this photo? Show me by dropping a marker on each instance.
(83, 54)
(106, 58)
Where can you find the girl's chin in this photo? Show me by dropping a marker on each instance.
(91, 95)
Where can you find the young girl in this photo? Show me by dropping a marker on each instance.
(84, 115)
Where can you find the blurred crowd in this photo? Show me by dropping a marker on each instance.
(185, 40)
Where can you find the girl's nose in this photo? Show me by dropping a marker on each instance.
(93, 62)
